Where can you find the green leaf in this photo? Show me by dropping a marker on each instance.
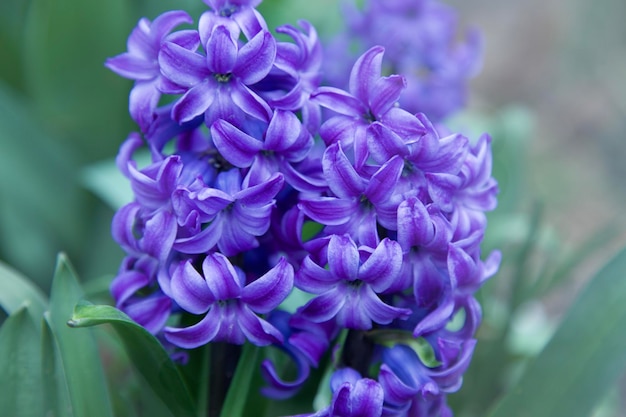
(12, 16)
(65, 44)
(17, 291)
(240, 386)
(146, 353)
(106, 181)
(41, 208)
(325, 15)
(78, 349)
(584, 358)
(20, 366)
(56, 393)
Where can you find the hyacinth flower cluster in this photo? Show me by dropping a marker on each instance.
(422, 43)
(266, 183)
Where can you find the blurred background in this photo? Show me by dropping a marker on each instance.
(552, 93)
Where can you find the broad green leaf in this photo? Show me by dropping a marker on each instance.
(146, 353)
(65, 45)
(584, 358)
(106, 181)
(325, 15)
(17, 291)
(56, 394)
(240, 385)
(20, 366)
(12, 16)
(78, 349)
(41, 209)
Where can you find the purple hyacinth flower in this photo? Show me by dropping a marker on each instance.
(140, 62)
(217, 84)
(422, 44)
(353, 396)
(235, 213)
(151, 310)
(370, 98)
(235, 14)
(231, 305)
(355, 204)
(299, 66)
(410, 384)
(284, 144)
(347, 290)
(469, 194)
(305, 343)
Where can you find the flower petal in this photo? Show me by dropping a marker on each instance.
(376, 309)
(235, 146)
(221, 51)
(159, 234)
(257, 330)
(164, 23)
(414, 225)
(342, 178)
(313, 278)
(195, 102)
(221, 277)
(381, 269)
(182, 66)
(385, 93)
(363, 399)
(324, 307)
(132, 66)
(255, 58)
(250, 102)
(189, 289)
(343, 257)
(383, 143)
(338, 129)
(283, 131)
(151, 312)
(339, 101)
(266, 293)
(201, 242)
(329, 210)
(142, 101)
(365, 72)
(197, 335)
(382, 185)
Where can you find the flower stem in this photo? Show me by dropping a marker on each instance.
(223, 362)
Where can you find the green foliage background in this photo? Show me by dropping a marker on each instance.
(63, 116)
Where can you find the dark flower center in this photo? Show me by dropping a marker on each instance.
(223, 78)
(228, 10)
(369, 117)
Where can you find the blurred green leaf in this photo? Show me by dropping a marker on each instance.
(65, 45)
(323, 14)
(41, 208)
(20, 366)
(12, 16)
(17, 291)
(584, 358)
(107, 182)
(240, 385)
(78, 349)
(56, 394)
(146, 352)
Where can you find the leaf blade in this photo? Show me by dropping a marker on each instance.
(234, 403)
(78, 350)
(16, 290)
(146, 353)
(583, 359)
(20, 365)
